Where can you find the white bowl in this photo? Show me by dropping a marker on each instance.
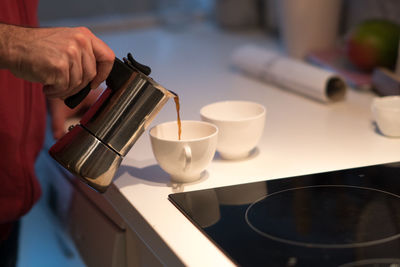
(240, 125)
(386, 113)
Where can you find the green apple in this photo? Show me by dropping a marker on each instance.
(373, 43)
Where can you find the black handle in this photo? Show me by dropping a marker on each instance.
(77, 98)
(120, 73)
(143, 68)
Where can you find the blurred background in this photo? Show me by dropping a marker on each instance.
(308, 29)
(232, 14)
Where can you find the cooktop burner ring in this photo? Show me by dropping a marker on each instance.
(392, 262)
(321, 245)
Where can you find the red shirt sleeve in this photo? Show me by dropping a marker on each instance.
(22, 127)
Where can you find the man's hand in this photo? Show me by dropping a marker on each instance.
(65, 60)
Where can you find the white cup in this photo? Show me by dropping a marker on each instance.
(240, 125)
(386, 113)
(184, 160)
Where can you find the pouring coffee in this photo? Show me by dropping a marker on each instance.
(93, 149)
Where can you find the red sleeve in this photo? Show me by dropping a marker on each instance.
(22, 116)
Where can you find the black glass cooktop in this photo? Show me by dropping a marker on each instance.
(341, 218)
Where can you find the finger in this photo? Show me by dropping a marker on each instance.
(61, 74)
(59, 79)
(61, 95)
(105, 60)
(76, 77)
(57, 123)
(88, 68)
(76, 74)
(51, 91)
(48, 90)
(88, 60)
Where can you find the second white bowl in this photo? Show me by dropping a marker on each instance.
(386, 112)
(240, 124)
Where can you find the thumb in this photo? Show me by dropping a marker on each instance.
(57, 125)
(58, 117)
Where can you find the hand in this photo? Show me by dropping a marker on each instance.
(60, 113)
(65, 60)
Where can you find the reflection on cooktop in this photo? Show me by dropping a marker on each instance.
(332, 217)
(374, 263)
(340, 218)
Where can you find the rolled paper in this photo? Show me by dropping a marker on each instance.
(287, 73)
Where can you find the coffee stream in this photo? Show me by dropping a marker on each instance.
(177, 105)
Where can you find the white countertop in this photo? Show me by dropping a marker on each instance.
(301, 135)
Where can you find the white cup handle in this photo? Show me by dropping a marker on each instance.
(187, 157)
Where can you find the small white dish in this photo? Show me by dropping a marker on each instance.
(240, 125)
(386, 113)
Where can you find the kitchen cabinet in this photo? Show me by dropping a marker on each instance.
(99, 241)
(99, 233)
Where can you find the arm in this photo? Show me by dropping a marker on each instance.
(65, 60)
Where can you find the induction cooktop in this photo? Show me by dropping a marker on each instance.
(340, 218)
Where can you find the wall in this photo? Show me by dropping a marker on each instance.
(56, 12)
(50, 10)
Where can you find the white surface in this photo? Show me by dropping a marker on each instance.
(240, 125)
(301, 135)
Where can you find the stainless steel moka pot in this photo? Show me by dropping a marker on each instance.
(94, 148)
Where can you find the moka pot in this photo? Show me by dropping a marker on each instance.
(93, 149)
